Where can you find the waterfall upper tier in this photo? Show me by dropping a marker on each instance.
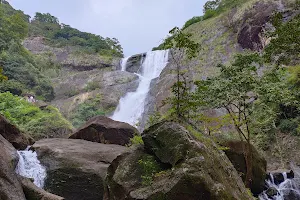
(131, 106)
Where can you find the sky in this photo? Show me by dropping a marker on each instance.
(139, 25)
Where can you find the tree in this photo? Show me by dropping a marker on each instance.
(284, 47)
(244, 94)
(46, 18)
(186, 48)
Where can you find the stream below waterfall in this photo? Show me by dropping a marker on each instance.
(288, 189)
(131, 106)
(29, 166)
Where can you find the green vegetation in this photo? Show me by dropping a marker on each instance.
(149, 167)
(61, 35)
(241, 90)
(38, 123)
(136, 140)
(85, 111)
(92, 86)
(18, 64)
(192, 21)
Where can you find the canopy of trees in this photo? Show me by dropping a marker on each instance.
(61, 35)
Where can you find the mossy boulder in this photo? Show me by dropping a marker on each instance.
(235, 151)
(196, 169)
(76, 168)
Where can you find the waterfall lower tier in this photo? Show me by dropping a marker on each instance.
(131, 107)
(29, 166)
(289, 189)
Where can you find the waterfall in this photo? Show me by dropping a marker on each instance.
(131, 107)
(123, 63)
(29, 166)
(289, 189)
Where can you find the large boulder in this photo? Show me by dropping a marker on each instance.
(173, 166)
(235, 151)
(10, 188)
(105, 130)
(32, 192)
(12, 134)
(76, 168)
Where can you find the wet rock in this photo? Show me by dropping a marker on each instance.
(12, 134)
(235, 153)
(200, 170)
(10, 188)
(271, 192)
(134, 63)
(76, 168)
(107, 131)
(32, 192)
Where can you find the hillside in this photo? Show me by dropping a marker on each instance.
(240, 28)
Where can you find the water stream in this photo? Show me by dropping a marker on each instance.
(29, 166)
(289, 189)
(131, 106)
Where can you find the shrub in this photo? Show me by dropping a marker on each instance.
(85, 111)
(149, 167)
(289, 126)
(192, 21)
(91, 86)
(136, 140)
(31, 119)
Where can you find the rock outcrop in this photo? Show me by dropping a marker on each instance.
(75, 89)
(32, 192)
(135, 62)
(236, 153)
(12, 134)
(76, 168)
(173, 166)
(107, 131)
(10, 188)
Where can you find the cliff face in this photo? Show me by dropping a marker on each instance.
(83, 77)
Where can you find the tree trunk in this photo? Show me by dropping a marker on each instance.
(248, 158)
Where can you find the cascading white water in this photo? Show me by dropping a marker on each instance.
(123, 63)
(131, 107)
(289, 189)
(29, 166)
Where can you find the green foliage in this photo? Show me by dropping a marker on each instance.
(289, 126)
(149, 167)
(91, 86)
(46, 18)
(2, 77)
(155, 118)
(285, 44)
(31, 119)
(61, 35)
(192, 21)
(18, 64)
(85, 111)
(136, 140)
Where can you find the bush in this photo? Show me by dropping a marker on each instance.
(149, 167)
(85, 111)
(91, 86)
(192, 21)
(136, 140)
(289, 126)
(31, 119)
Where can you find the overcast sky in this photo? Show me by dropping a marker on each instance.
(138, 24)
